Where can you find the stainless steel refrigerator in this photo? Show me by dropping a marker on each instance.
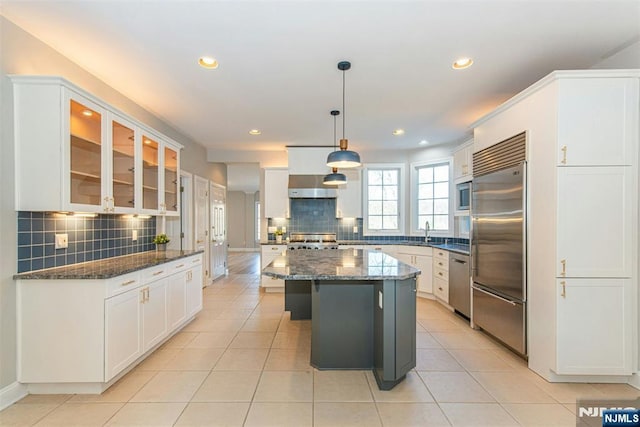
(498, 254)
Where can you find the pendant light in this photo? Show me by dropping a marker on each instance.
(334, 178)
(344, 158)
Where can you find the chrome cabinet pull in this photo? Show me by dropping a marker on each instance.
(564, 155)
(563, 273)
(563, 294)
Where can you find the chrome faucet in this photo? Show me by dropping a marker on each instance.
(426, 231)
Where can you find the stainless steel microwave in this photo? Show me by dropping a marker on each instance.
(463, 196)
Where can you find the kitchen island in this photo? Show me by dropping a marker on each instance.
(362, 306)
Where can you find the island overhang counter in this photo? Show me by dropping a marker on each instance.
(362, 306)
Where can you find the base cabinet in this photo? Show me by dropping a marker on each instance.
(123, 343)
(267, 255)
(588, 308)
(92, 330)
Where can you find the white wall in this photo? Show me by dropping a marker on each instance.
(24, 54)
(627, 57)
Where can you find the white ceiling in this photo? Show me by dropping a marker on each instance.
(278, 61)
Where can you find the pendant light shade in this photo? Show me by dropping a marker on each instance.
(344, 158)
(335, 178)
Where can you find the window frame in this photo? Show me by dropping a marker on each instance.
(401, 168)
(415, 227)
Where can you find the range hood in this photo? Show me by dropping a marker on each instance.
(310, 187)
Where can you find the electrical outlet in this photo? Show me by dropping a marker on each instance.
(134, 235)
(62, 241)
(355, 228)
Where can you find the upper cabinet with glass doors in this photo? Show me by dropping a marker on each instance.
(75, 153)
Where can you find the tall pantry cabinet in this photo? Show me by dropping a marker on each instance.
(76, 153)
(582, 203)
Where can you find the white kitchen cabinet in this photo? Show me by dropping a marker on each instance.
(194, 288)
(441, 274)
(463, 163)
(276, 193)
(93, 157)
(595, 318)
(597, 122)
(582, 154)
(176, 299)
(349, 201)
(268, 254)
(421, 258)
(154, 313)
(93, 330)
(595, 201)
(123, 340)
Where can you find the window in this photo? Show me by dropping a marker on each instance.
(383, 199)
(432, 196)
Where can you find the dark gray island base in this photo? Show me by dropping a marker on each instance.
(362, 306)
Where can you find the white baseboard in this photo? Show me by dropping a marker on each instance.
(244, 249)
(11, 394)
(635, 380)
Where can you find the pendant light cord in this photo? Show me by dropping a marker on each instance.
(344, 111)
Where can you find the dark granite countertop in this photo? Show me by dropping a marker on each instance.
(106, 268)
(341, 264)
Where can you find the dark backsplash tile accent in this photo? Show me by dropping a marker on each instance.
(319, 215)
(104, 236)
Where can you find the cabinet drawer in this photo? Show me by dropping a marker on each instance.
(440, 273)
(441, 254)
(274, 249)
(155, 273)
(120, 284)
(441, 289)
(179, 265)
(442, 263)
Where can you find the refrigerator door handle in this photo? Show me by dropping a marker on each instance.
(494, 295)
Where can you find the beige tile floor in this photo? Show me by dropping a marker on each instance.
(242, 362)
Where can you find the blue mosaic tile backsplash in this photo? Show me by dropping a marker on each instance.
(319, 215)
(104, 236)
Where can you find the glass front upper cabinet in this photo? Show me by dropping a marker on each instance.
(170, 180)
(85, 149)
(150, 165)
(123, 166)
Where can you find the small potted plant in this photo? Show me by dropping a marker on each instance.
(161, 241)
(278, 234)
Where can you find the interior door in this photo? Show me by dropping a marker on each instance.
(201, 221)
(218, 241)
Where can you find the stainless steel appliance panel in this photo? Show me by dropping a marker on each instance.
(502, 318)
(498, 232)
(459, 289)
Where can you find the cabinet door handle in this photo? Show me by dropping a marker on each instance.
(157, 273)
(564, 155)
(128, 282)
(143, 293)
(563, 294)
(563, 273)
(148, 293)
(274, 249)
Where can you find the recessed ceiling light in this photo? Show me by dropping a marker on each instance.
(424, 142)
(87, 113)
(398, 132)
(208, 62)
(255, 132)
(462, 63)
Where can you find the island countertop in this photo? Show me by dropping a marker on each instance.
(338, 264)
(106, 268)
